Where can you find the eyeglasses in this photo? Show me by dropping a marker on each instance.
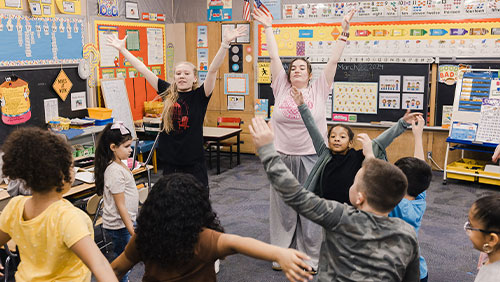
(469, 228)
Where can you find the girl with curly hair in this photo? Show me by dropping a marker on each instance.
(179, 237)
(55, 238)
(115, 182)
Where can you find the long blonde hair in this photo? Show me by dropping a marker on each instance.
(170, 97)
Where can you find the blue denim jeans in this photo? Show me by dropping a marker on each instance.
(120, 238)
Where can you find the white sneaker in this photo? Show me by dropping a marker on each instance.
(217, 266)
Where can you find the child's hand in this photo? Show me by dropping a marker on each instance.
(417, 126)
(346, 21)
(367, 145)
(261, 17)
(496, 155)
(261, 133)
(293, 265)
(297, 96)
(409, 116)
(116, 43)
(231, 34)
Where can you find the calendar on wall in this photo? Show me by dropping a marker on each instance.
(489, 123)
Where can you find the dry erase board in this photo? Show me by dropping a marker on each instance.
(115, 97)
(407, 84)
(40, 82)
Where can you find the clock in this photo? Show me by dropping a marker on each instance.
(84, 69)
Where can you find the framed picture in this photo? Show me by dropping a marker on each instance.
(131, 10)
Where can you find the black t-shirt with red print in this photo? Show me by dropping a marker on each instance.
(184, 144)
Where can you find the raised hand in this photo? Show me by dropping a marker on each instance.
(297, 96)
(261, 133)
(496, 155)
(231, 34)
(262, 17)
(409, 116)
(346, 21)
(417, 126)
(113, 41)
(291, 261)
(365, 140)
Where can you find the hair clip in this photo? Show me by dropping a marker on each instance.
(119, 125)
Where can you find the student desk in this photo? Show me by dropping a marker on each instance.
(218, 134)
(85, 187)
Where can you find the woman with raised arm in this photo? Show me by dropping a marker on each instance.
(292, 140)
(180, 146)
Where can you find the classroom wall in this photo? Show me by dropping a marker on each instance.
(145, 6)
(26, 9)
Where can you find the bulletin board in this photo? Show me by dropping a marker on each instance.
(145, 41)
(40, 41)
(40, 85)
(442, 38)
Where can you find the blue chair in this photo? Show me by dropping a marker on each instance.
(145, 147)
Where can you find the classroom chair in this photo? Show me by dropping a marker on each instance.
(145, 147)
(226, 122)
(94, 209)
(11, 260)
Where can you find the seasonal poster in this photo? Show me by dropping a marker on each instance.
(389, 101)
(489, 122)
(15, 102)
(389, 83)
(413, 83)
(412, 101)
(355, 97)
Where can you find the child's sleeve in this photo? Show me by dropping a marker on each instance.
(321, 211)
(316, 136)
(412, 273)
(385, 139)
(114, 180)
(8, 215)
(74, 225)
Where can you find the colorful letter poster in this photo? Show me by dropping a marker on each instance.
(107, 8)
(412, 101)
(390, 83)
(413, 83)
(355, 97)
(389, 101)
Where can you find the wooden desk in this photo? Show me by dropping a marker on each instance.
(218, 134)
(85, 187)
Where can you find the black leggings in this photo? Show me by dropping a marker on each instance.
(198, 170)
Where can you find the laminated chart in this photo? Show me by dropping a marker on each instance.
(37, 41)
(442, 38)
(355, 97)
(489, 123)
(475, 87)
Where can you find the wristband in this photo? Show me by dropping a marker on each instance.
(344, 33)
(225, 45)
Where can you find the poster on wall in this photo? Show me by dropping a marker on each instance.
(355, 97)
(202, 59)
(72, 7)
(107, 8)
(42, 8)
(463, 131)
(388, 101)
(109, 55)
(446, 118)
(202, 40)
(412, 101)
(413, 83)
(155, 46)
(389, 83)
(236, 84)
(11, 4)
(489, 122)
(264, 72)
(51, 109)
(235, 103)
(274, 6)
(14, 101)
(219, 10)
(78, 101)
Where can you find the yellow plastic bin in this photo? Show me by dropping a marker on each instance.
(489, 180)
(465, 166)
(99, 113)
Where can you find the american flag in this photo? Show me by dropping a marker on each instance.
(257, 4)
(246, 10)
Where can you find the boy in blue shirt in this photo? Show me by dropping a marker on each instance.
(419, 175)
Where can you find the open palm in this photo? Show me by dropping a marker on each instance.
(113, 41)
(262, 17)
(231, 34)
(346, 21)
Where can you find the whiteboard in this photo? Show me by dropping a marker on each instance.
(115, 97)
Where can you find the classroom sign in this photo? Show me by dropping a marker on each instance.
(425, 38)
(62, 85)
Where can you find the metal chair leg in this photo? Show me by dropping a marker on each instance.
(230, 156)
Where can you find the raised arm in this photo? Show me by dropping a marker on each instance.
(290, 260)
(417, 127)
(331, 67)
(385, 139)
(272, 46)
(120, 45)
(321, 211)
(229, 35)
(365, 140)
(307, 118)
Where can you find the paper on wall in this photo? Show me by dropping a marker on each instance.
(155, 46)
(412, 101)
(109, 55)
(51, 109)
(413, 83)
(78, 101)
(389, 101)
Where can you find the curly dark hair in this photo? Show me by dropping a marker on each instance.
(103, 154)
(40, 158)
(171, 219)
